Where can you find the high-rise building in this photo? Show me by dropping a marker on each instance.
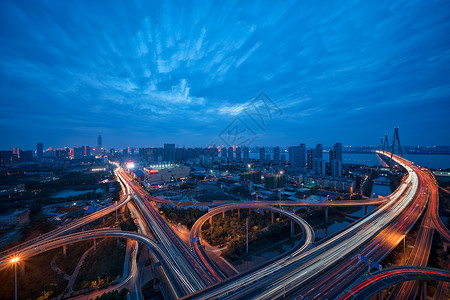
(125, 152)
(283, 158)
(302, 155)
(87, 151)
(336, 160)
(238, 155)
(246, 155)
(169, 152)
(99, 142)
(310, 158)
(276, 155)
(319, 166)
(39, 150)
(338, 150)
(297, 156)
(262, 155)
(230, 153)
(319, 151)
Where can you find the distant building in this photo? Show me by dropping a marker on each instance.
(169, 152)
(310, 159)
(319, 166)
(238, 155)
(39, 150)
(99, 142)
(319, 151)
(6, 157)
(336, 160)
(26, 156)
(283, 158)
(262, 155)
(246, 155)
(253, 176)
(164, 173)
(276, 155)
(297, 156)
(230, 153)
(11, 189)
(18, 217)
(273, 181)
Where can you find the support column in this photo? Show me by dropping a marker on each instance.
(239, 213)
(95, 244)
(404, 250)
(366, 209)
(424, 290)
(326, 214)
(271, 212)
(211, 223)
(64, 250)
(223, 215)
(178, 206)
(292, 228)
(249, 211)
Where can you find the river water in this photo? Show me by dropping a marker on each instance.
(369, 159)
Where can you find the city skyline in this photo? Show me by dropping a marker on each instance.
(153, 73)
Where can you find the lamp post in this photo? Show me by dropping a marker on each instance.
(14, 261)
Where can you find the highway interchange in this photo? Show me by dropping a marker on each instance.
(325, 270)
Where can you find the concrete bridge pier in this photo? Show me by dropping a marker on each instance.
(223, 215)
(326, 214)
(271, 212)
(178, 206)
(445, 246)
(424, 291)
(249, 211)
(239, 213)
(366, 209)
(95, 244)
(211, 223)
(64, 250)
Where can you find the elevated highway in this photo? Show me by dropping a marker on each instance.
(380, 280)
(176, 277)
(195, 234)
(288, 275)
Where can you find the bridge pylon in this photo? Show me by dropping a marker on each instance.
(396, 138)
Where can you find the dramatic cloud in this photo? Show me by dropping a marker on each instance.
(146, 72)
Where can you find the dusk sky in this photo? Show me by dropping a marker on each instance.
(144, 73)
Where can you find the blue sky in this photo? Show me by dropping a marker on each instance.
(142, 73)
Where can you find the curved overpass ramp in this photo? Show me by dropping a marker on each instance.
(195, 234)
(175, 276)
(380, 280)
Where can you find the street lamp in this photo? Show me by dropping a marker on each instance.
(14, 261)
